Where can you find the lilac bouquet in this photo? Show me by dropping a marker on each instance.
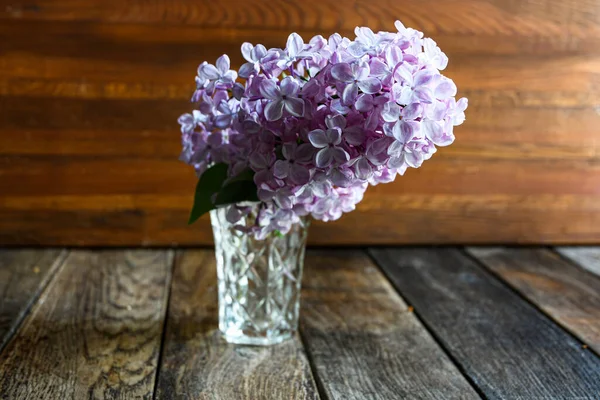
(304, 130)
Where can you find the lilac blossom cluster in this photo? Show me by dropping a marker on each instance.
(318, 122)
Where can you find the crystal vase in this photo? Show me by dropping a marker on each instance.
(259, 280)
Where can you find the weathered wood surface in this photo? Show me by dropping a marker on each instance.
(198, 364)
(96, 331)
(23, 275)
(568, 294)
(90, 92)
(508, 348)
(586, 257)
(362, 339)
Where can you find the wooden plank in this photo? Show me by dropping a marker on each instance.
(539, 19)
(586, 257)
(160, 219)
(96, 331)
(198, 363)
(24, 273)
(363, 340)
(568, 294)
(442, 175)
(507, 347)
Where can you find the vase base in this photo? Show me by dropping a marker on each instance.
(256, 341)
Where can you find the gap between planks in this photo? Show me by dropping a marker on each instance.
(28, 288)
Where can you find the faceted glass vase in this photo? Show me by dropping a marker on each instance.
(259, 280)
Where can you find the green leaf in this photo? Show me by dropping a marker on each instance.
(237, 192)
(209, 183)
(245, 175)
(214, 188)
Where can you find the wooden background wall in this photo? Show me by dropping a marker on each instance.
(90, 92)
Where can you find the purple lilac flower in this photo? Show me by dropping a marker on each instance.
(317, 122)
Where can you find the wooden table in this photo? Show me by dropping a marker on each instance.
(378, 323)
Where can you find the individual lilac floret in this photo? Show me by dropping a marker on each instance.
(282, 97)
(329, 142)
(356, 77)
(219, 77)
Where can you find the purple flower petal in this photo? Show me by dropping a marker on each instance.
(445, 89)
(294, 106)
(340, 155)
(363, 169)
(337, 106)
(342, 72)
(222, 121)
(247, 51)
(299, 175)
(413, 159)
(355, 135)
(294, 44)
(247, 69)
(269, 89)
(333, 136)
(258, 52)
(258, 161)
(412, 111)
(350, 93)
(423, 77)
(395, 149)
(395, 162)
(403, 131)
(357, 49)
(393, 56)
(404, 74)
(208, 71)
(461, 105)
(341, 178)
(265, 194)
(289, 87)
(424, 94)
(379, 145)
(364, 103)
(281, 169)
(304, 153)
(391, 112)
(373, 120)
(215, 139)
(378, 67)
(318, 139)
(223, 64)
(238, 91)
(335, 121)
(274, 110)
(433, 131)
(324, 157)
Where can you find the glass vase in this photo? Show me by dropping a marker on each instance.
(259, 280)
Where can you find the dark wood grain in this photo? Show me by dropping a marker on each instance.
(95, 333)
(363, 340)
(586, 257)
(507, 347)
(494, 18)
(90, 93)
(198, 364)
(568, 294)
(23, 275)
